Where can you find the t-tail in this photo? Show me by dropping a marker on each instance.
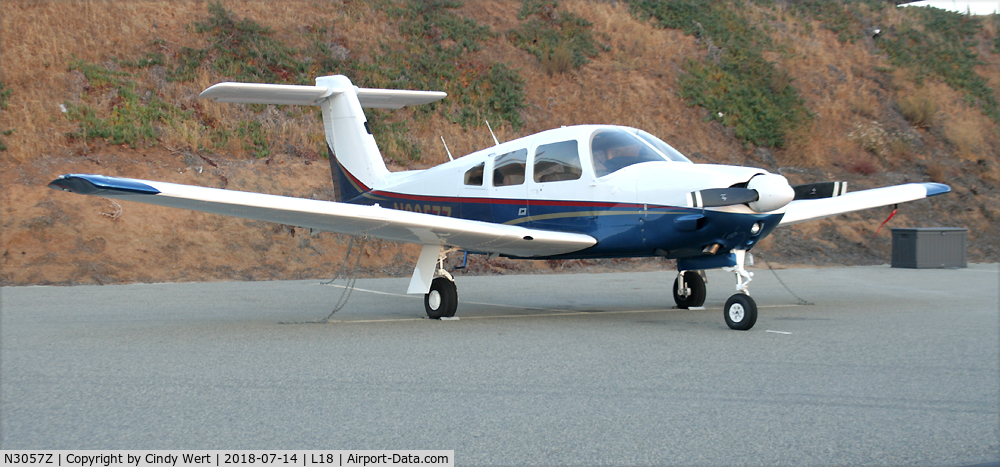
(355, 161)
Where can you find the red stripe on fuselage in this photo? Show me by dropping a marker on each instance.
(533, 202)
(361, 187)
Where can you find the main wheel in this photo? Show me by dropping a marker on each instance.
(442, 300)
(740, 312)
(693, 294)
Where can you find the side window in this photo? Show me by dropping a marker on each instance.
(474, 176)
(508, 169)
(557, 162)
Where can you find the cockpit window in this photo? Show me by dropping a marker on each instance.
(615, 149)
(474, 176)
(557, 162)
(665, 148)
(508, 169)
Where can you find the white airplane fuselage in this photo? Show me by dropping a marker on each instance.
(562, 180)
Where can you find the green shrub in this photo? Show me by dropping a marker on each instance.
(392, 139)
(736, 84)
(186, 66)
(5, 94)
(437, 54)
(240, 49)
(254, 137)
(147, 60)
(996, 38)
(431, 20)
(846, 18)
(942, 44)
(560, 40)
(134, 114)
(245, 51)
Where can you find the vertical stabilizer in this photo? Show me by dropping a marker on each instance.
(355, 160)
(349, 137)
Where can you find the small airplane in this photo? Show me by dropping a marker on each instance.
(586, 191)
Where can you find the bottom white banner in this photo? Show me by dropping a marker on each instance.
(139, 458)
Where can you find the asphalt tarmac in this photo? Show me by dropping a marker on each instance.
(885, 367)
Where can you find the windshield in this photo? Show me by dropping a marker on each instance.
(665, 148)
(615, 149)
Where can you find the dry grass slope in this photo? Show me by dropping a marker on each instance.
(903, 130)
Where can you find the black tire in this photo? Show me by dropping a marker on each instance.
(740, 312)
(442, 300)
(696, 284)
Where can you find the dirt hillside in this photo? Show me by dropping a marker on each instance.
(111, 88)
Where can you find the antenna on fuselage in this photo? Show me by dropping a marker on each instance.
(491, 132)
(446, 148)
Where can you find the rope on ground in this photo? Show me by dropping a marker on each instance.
(350, 276)
(802, 301)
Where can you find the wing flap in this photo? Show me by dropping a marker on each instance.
(810, 209)
(351, 219)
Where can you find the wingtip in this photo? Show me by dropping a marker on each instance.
(85, 184)
(936, 188)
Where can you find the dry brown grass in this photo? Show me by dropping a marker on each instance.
(40, 39)
(634, 83)
(970, 133)
(963, 134)
(919, 109)
(937, 172)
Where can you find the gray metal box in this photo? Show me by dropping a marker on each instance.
(932, 247)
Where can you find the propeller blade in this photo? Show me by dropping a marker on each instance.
(819, 190)
(716, 197)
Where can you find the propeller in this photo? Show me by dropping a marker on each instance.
(819, 190)
(763, 193)
(716, 197)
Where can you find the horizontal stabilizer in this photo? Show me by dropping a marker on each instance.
(810, 209)
(285, 94)
(351, 219)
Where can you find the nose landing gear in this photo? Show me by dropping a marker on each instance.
(740, 311)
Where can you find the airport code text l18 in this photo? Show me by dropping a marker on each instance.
(185, 458)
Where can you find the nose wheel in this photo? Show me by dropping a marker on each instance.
(740, 312)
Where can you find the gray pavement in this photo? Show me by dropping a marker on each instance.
(887, 367)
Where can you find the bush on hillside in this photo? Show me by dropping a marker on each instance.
(734, 82)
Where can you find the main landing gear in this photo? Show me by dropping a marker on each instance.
(689, 289)
(440, 292)
(740, 311)
(442, 300)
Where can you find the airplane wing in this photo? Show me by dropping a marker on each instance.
(810, 209)
(351, 219)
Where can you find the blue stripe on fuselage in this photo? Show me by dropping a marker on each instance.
(621, 229)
